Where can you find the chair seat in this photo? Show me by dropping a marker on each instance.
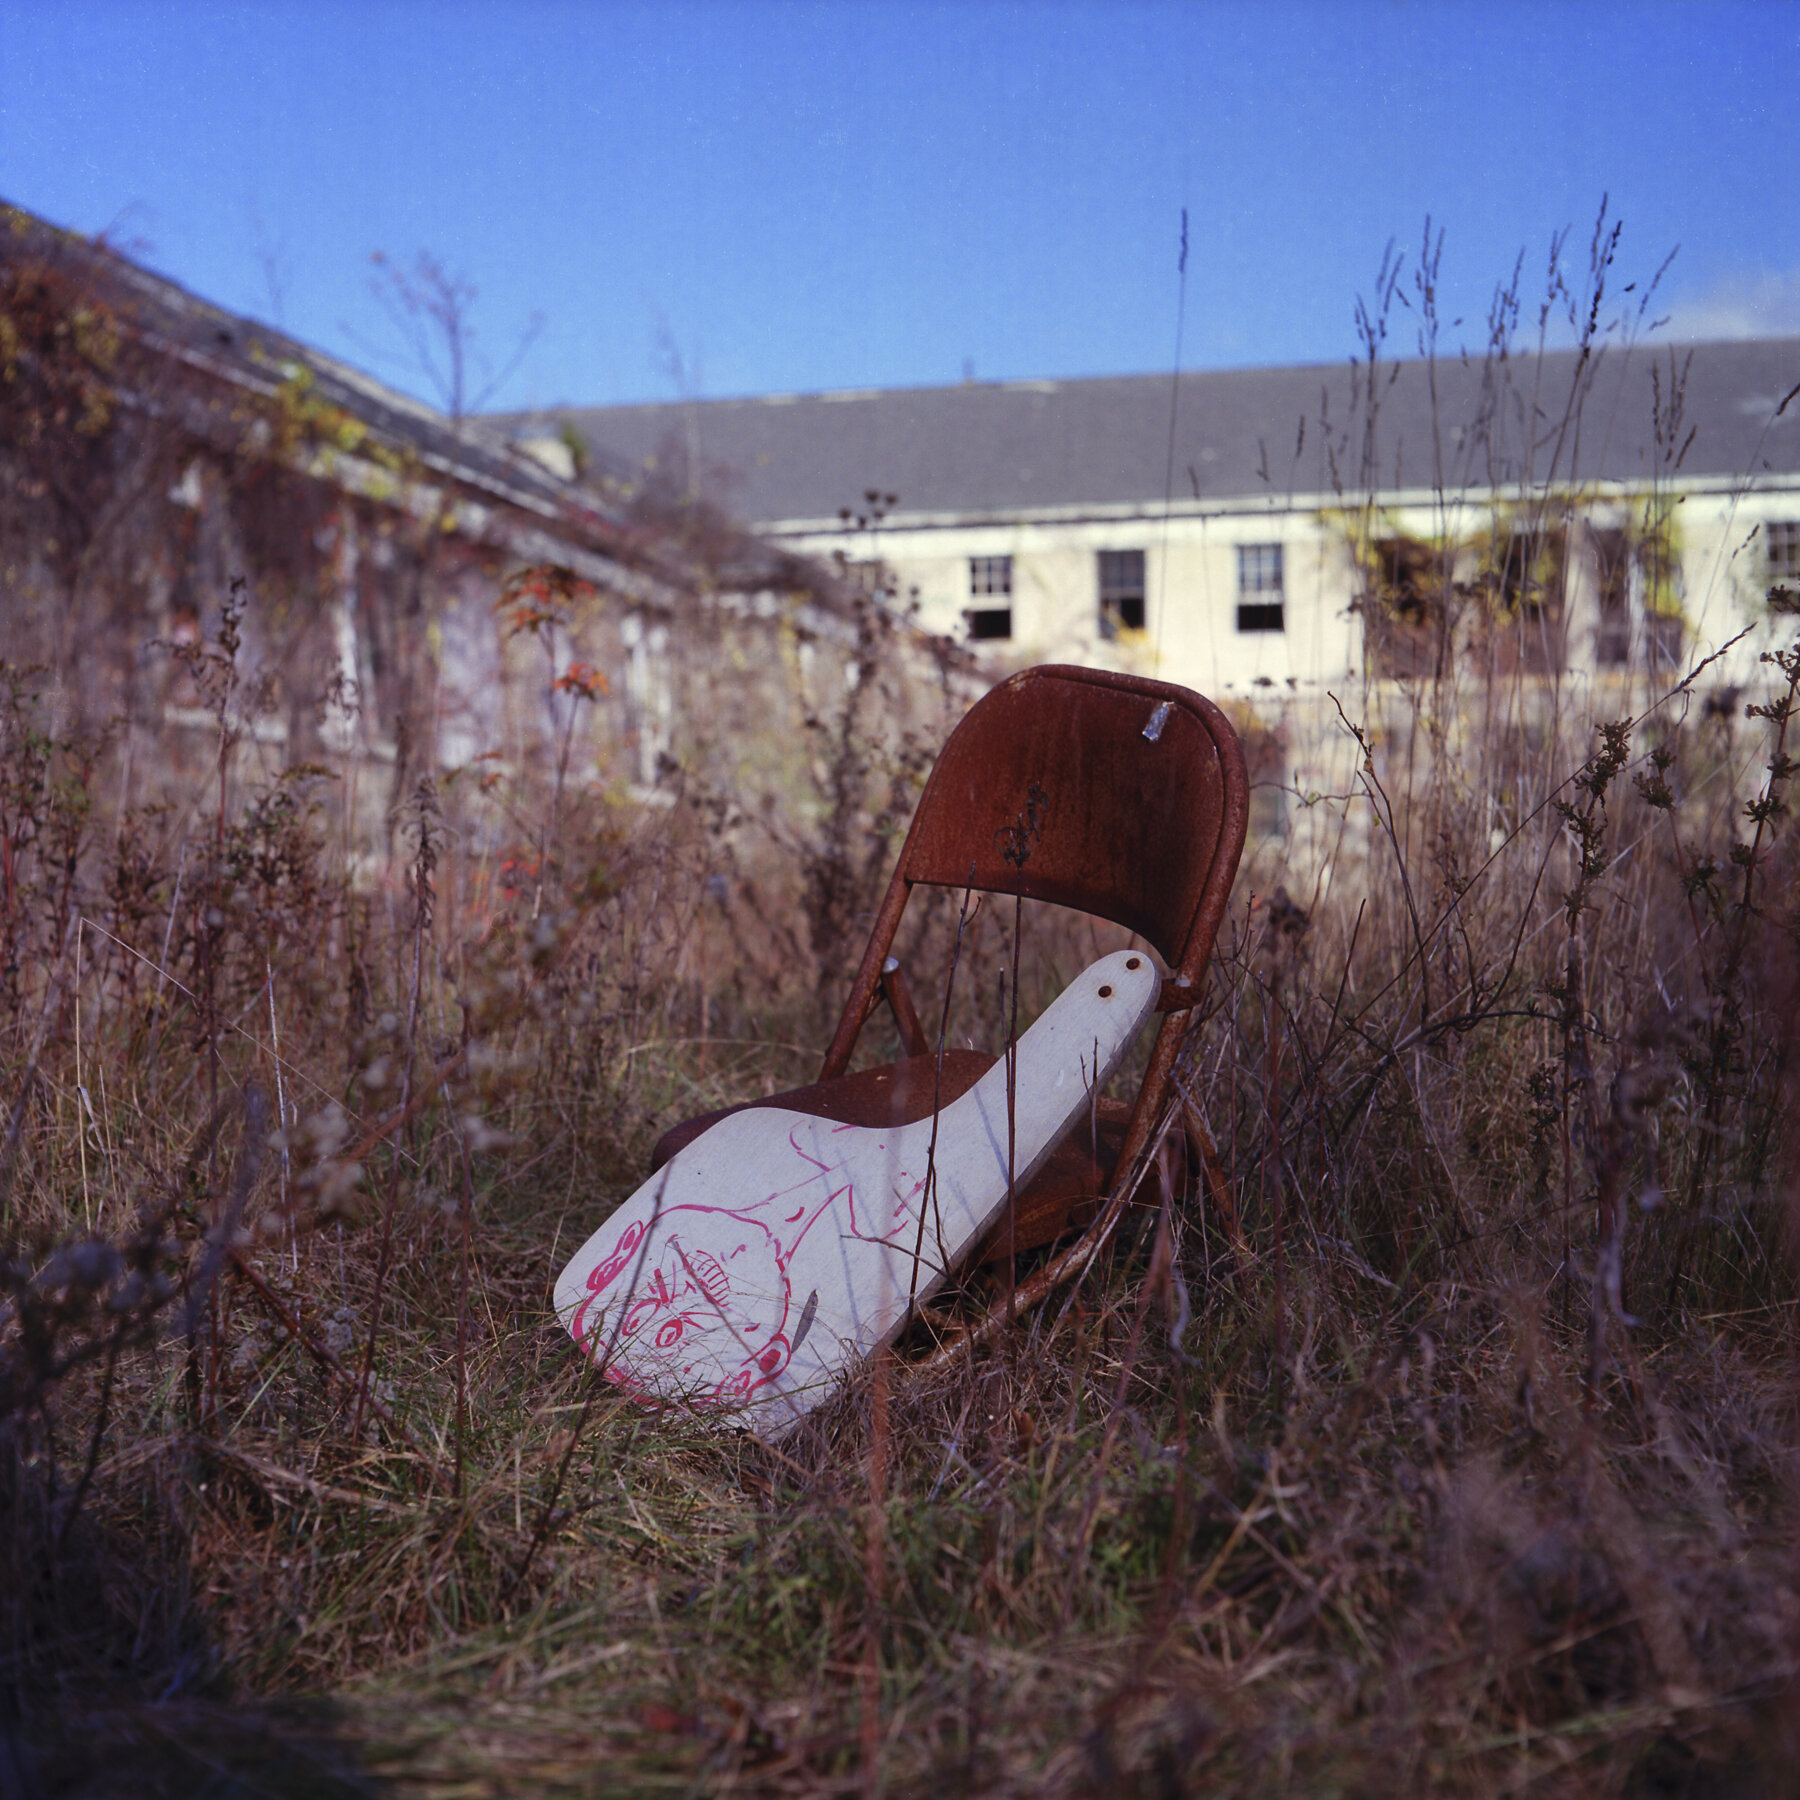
(1064, 1194)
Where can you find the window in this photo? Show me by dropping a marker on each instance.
(1121, 592)
(1261, 595)
(1781, 541)
(649, 695)
(1263, 615)
(990, 578)
(1663, 638)
(1405, 626)
(1528, 592)
(1614, 580)
(869, 577)
(990, 575)
(1638, 586)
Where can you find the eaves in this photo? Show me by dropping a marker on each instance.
(1305, 505)
(538, 530)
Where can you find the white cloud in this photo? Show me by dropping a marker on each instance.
(1764, 304)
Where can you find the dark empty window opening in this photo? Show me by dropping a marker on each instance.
(990, 575)
(1403, 610)
(1613, 572)
(989, 624)
(1121, 592)
(1261, 588)
(1529, 590)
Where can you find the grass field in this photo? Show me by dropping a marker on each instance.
(1473, 1478)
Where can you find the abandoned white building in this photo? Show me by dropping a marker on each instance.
(1287, 527)
(159, 455)
(1272, 537)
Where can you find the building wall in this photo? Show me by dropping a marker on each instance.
(1717, 536)
(1502, 673)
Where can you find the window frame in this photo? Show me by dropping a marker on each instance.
(987, 571)
(1531, 594)
(1119, 595)
(1781, 550)
(1262, 573)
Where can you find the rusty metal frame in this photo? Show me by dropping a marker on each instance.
(1086, 719)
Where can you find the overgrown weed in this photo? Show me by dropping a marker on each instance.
(1478, 1478)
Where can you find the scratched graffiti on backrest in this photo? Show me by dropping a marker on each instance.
(778, 1249)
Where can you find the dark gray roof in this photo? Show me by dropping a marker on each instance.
(1705, 411)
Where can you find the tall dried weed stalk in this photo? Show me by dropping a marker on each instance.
(1448, 1443)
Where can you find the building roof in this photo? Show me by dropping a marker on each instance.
(234, 356)
(1002, 449)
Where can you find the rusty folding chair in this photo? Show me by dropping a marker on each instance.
(1111, 794)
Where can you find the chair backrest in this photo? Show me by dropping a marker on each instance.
(1113, 794)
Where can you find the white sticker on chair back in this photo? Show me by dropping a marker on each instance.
(778, 1250)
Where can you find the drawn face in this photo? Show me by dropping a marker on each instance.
(711, 1323)
(696, 1301)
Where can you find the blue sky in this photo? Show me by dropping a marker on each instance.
(743, 198)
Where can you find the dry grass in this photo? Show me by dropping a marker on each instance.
(1417, 1503)
(1476, 1480)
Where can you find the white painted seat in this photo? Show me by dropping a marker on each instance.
(778, 1250)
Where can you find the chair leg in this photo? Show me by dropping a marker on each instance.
(906, 1015)
(1218, 1189)
(1068, 1264)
